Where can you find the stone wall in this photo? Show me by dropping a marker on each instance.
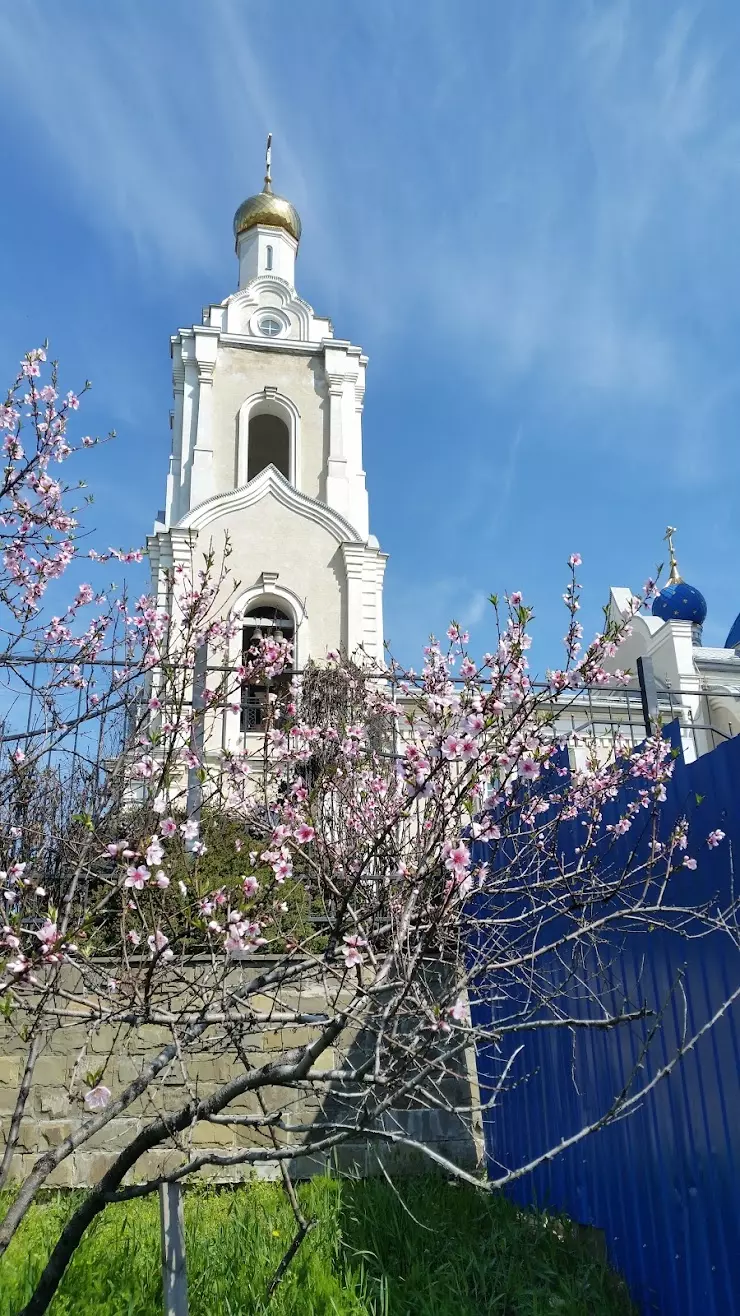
(55, 1106)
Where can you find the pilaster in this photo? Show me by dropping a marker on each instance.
(201, 476)
(360, 506)
(189, 418)
(337, 490)
(354, 555)
(174, 477)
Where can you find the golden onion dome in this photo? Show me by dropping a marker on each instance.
(267, 208)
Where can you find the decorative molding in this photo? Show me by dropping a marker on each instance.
(270, 483)
(248, 301)
(248, 597)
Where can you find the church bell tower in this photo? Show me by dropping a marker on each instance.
(267, 447)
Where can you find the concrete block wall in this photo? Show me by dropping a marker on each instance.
(55, 1105)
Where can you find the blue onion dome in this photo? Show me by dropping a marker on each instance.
(678, 601)
(682, 602)
(733, 638)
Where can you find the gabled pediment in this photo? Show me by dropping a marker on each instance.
(270, 484)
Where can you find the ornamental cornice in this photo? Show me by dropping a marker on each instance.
(270, 483)
(290, 302)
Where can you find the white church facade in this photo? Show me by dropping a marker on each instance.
(267, 450)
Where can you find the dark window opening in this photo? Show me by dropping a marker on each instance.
(268, 445)
(268, 260)
(262, 622)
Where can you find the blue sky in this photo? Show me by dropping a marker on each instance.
(526, 214)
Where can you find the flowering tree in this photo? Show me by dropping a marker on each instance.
(389, 848)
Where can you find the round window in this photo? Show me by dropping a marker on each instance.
(270, 326)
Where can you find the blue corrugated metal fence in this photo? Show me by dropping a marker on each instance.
(663, 1183)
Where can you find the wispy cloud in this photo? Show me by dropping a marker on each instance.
(527, 213)
(527, 223)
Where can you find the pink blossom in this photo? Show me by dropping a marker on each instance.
(451, 747)
(167, 827)
(456, 635)
(137, 877)
(189, 829)
(47, 934)
(688, 862)
(250, 886)
(352, 950)
(515, 598)
(575, 560)
(154, 852)
(18, 965)
(18, 756)
(714, 838)
(133, 937)
(158, 944)
(529, 768)
(98, 1097)
(304, 834)
(161, 880)
(457, 858)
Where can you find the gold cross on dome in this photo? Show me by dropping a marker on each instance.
(268, 163)
(673, 578)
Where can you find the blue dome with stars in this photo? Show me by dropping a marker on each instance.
(678, 601)
(681, 602)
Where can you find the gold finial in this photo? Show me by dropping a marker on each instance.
(268, 162)
(673, 578)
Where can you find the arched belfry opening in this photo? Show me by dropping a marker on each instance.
(260, 622)
(268, 444)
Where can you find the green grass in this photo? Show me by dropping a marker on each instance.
(464, 1254)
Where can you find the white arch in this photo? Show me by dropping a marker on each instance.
(269, 402)
(278, 596)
